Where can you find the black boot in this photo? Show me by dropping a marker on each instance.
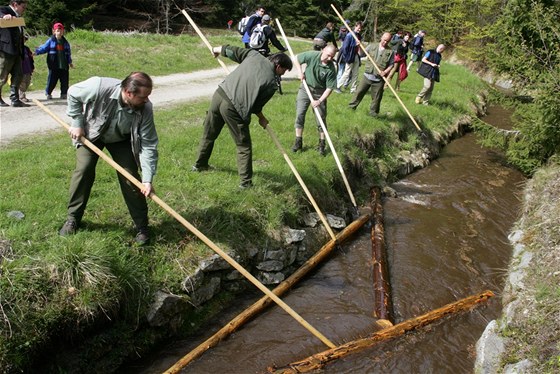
(321, 147)
(298, 146)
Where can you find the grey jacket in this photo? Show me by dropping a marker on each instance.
(94, 105)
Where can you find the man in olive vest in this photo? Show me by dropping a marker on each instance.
(372, 79)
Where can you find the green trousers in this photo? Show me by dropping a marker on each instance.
(223, 112)
(376, 91)
(84, 176)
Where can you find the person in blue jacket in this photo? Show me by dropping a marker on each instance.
(59, 60)
(253, 21)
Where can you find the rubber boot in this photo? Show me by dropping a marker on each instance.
(298, 145)
(321, 147)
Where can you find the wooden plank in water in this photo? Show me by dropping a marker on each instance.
(383, 305)
(319, 360)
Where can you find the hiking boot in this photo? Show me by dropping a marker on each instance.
(321, 147)
(49, 97)
(19, 104)
(69, 228)
(198, 169)
(63, 96)
(245, 185)
(298, 145)
(142, 237)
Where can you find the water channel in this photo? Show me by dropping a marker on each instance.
(446, 237)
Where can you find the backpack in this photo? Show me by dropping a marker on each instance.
(242, 25)
(258, 38)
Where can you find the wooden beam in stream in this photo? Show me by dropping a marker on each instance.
(262, 303)
(319, 360)
(383, 306)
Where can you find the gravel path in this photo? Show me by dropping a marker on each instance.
(168, 90)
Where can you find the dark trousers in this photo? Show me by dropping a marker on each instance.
(56, 75)
(223, 112)
(11, 65)
(84, 176)
(376, 89)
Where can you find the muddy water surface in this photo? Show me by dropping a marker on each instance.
(446, 236)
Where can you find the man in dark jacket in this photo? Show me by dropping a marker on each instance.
(429, 69)
(416, 48)
(350, 57)
(253, 21)
(324, 36)
(11, 52)
(239, 96)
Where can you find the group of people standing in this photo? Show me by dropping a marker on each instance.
(119, 116)
(16, 58)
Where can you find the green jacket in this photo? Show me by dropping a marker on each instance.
(382, 60)
(252, 84)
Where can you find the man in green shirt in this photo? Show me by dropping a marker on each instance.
(320, 75)
(118, 116)
(243, 92)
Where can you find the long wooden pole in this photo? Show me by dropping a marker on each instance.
(195, 27)
(377, 68)
(301, 182)
(264, 302)
(195, 231)
(318, 115)
(317, 361)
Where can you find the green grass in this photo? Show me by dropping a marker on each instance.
(53, 287)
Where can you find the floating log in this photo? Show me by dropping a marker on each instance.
(383, 306)
(262, 303)
(319, 360)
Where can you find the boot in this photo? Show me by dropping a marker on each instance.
(298, 146)
(321, 147)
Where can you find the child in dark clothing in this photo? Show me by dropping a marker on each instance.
(59, 60)
(27, 66)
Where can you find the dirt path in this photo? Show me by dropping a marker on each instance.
(168, 90)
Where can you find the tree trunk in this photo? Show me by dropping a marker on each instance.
(317, 361)
(383, 307)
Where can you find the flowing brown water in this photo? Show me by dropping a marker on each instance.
(446, 236)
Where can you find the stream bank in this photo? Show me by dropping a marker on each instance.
(525, 338)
